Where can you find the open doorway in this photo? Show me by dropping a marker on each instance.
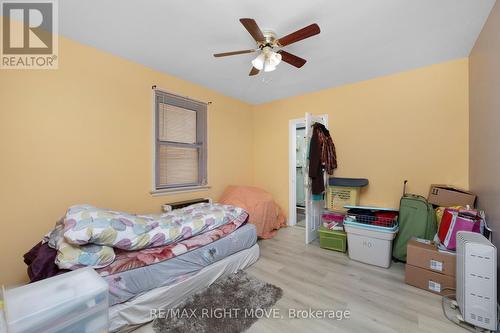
(297, 167)
(303, 210)
(300, 167)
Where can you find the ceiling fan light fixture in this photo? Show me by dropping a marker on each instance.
(267, 60)
(259, 61)
(267, 43)
(269, 68)
(274, 59)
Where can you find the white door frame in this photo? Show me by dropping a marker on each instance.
(313, 208)
(292, 169)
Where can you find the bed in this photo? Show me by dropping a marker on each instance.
(263, 211)
(149, 261)
(135, 312)
(127, 284)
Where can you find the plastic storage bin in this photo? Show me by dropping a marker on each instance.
(328, 216)
(333, 219)
(76, 301)
(332, 239)
(370, 236)
(3, 327)
(343, 191)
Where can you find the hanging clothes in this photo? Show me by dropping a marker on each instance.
(322, 157)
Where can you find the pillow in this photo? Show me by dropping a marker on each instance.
(71, 256)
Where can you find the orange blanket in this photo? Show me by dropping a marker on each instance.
(263, 212)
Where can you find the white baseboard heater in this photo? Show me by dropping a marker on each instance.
(477, 280)
(181, 204)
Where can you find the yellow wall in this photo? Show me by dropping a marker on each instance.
(82, 134)
(412, 125)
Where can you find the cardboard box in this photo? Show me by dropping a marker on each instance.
(429, 280)
(447, 196)
(424, 254)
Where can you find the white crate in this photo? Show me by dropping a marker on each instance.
(76, 301)
(370, 246)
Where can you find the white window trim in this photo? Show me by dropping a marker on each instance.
(177, 190)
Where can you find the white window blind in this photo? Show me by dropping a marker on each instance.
(181, 147)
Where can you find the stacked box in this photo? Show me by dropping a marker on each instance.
(332, 239)
(428, 268)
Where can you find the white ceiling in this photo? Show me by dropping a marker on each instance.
(359, 40)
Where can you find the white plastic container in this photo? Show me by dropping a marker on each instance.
(3, 327)
(76, 301)
(370, 245)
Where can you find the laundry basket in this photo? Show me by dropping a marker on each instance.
(344, 191)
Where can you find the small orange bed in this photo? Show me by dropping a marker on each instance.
(263, 211)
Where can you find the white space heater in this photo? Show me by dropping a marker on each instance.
(477, 280)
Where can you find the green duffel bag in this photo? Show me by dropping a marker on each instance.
(416, 219)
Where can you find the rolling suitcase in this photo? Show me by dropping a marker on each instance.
(416, 219)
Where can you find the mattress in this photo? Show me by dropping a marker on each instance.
(127, 284)
(127, 316)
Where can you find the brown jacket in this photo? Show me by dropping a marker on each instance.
(322, 157)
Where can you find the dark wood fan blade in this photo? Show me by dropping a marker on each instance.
(233, 53)
(253, 29)
(253, 71)
(292, 59)
(301, 34)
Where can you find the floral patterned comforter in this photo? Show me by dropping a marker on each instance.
(89, 236)
(127, 260)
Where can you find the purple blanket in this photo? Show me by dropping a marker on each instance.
(40, 260)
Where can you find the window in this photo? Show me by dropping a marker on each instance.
(181, 142)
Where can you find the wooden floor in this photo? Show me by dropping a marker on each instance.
(311, 277)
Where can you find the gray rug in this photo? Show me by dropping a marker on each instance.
(230, 305)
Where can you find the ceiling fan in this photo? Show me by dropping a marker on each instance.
(270, 47)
